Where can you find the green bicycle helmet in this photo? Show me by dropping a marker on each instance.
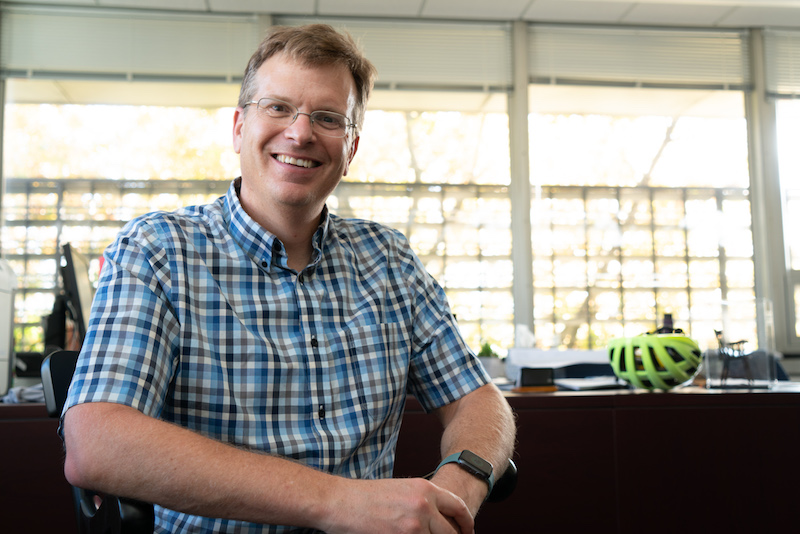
(655, 361)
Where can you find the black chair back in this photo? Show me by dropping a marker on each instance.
(57, 370)
(96, 513)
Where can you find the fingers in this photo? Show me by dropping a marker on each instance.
(399, 506)
(445, 525)
(456, 512)
(448, 526)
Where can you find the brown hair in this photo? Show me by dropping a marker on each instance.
(312, 45)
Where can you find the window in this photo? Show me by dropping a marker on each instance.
(782, 187)
(788, 114)
(640, 199)
(639, 208)
(77, 173)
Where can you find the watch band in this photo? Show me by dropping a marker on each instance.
(464, 460)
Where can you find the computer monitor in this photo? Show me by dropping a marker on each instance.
(78, 288)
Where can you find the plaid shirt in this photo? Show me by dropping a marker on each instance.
(199, 321)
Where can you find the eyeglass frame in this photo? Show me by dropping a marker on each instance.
(349, 123)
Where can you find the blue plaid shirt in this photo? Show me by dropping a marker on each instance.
(198, 320)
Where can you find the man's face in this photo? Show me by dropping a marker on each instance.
(293, 167)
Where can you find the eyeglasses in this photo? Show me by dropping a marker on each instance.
(326, 123)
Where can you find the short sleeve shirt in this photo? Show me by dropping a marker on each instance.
(199, 321)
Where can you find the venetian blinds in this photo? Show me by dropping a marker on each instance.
(782, 61)
(51, 42)
(431, 55)
(646, 57)
(91, 43)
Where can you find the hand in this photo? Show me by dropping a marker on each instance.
(467, 487)
(399, 506)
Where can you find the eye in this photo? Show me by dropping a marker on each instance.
(274, 107)
(330, 121)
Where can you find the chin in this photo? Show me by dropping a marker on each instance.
(297, 199)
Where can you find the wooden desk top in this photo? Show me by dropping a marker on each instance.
(627, 398)
(611, 398)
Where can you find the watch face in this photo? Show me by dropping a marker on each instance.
(481, 467)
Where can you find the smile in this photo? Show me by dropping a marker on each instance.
(297, 162)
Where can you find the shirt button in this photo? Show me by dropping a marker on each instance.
(321, 411)
(264, 264)
(314, 342)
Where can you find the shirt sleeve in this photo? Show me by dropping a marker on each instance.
(130, 349)
(443, 367)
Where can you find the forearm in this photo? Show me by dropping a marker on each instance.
(118, 450)
(483, 423)
(121, 451)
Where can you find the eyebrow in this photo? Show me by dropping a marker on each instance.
(284, 99)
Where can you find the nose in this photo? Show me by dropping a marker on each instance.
(300, 130)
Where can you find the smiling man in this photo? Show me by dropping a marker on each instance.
(247, 362)
(291, 166)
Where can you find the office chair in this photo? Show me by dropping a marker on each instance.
(96, 513)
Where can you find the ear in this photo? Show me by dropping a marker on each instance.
(238, 125)
(352, 154)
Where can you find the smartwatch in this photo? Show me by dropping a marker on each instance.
(474, 465)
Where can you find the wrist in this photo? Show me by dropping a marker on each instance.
(473, 464)
(469, 489)
(337, 505)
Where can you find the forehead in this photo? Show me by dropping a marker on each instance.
(318, 86)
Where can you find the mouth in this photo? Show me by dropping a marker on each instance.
(297, 162)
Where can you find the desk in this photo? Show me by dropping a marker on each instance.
(35, 497)
(617, 462)
(633, 462)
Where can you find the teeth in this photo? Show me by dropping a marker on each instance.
(295, 161)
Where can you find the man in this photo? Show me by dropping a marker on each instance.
(246, 362)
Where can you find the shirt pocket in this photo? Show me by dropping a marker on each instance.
(375, 360)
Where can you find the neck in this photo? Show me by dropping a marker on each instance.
(296, 234)
(294, 227)
(298, 245)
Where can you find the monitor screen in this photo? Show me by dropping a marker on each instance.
(78, 288)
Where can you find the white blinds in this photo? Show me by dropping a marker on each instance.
(638, 56)
(142, 45)
(100, 44)
(112, 44)
(421, 55)
(782, 61)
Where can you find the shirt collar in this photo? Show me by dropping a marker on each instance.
(263, 247)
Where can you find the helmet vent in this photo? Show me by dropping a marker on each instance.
(675, 355)
(656, 360)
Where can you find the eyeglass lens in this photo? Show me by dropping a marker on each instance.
(324, 122)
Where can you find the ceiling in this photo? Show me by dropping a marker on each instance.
(704, 13)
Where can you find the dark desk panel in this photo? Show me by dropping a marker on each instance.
(633, 461)
(724, 463)
(36, 497)
(558, 467)
(617, 462)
